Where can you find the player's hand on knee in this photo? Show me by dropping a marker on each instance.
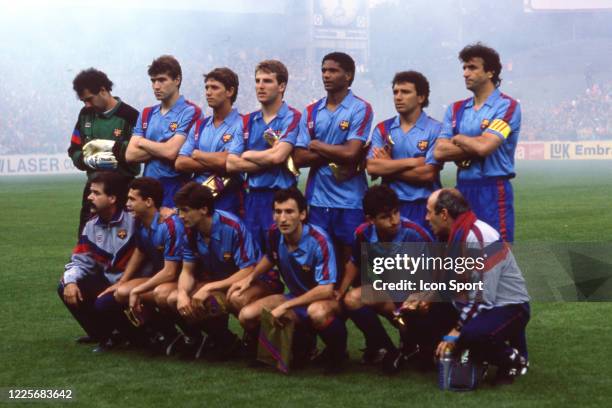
(111, 289)
(239, 287)
(72, 294)
(197, 301)
(278, 313)
(134, 301)
(183, 305)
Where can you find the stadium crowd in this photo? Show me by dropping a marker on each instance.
(586, 116)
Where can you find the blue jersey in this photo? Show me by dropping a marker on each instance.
(160, 128)
(500, 116)
(162, 241)
(312, 263)
(417, 142)
(351, 120)
(285, 126)
(366, 234)
(229, 250)
(228, 137)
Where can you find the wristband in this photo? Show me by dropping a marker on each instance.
(450, 339)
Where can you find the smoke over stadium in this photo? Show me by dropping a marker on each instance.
(555, 55)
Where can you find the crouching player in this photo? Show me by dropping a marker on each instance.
(305, 258)
(492, 321)
(384, 224)
(100, 257)
(156, 260)
(218, 252)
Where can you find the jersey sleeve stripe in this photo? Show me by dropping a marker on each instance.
(324, 250)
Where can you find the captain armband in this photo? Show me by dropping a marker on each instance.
(501, 127)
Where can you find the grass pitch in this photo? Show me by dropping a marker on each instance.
(569, 342)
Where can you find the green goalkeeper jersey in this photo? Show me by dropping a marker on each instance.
(116, 125)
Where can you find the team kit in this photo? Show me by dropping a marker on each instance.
(216, 226)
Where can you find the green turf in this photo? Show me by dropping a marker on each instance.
(569, 342)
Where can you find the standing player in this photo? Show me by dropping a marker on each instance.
(105, 118)
(331, 141)
(162, 129)
(384, 224)
(402, 147)
(480, 134)
(218, 252)
(492, 321)
(265, 164)
(305, 258)
(212, 138)
(100, 257)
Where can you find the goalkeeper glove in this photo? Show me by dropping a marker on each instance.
(101, 161)
(98, 146)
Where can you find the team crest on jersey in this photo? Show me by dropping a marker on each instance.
(117, 132)
(160, 248)
(144, 125)
(227, 256)
(484, 124)
(87, 124)
(422, 145)
(173, 126)
(344, 125)
(99, 239)
(122, 234)
(306, 268)
(275, 255)
(310, 125)
(226, 138)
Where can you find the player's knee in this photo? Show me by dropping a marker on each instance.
(171, 300)
(237, 302)
(160, 295)
(249, 317)
(319, 313)
(122, 294)
(352, 300)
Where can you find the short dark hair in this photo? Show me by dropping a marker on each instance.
(91, 79)
(421, 83)
(345, 61)
(379, 199)
(227, 77)
(166, 64)
(282, 195)
(113, 184)
(453, 201)
(149, 187)
(194, 195)
(274, 67)
(490, 57)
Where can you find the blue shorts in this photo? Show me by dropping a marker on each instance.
(272, 280)
(258, 214)
(416, 211)
(300, 311)
(171, 186)
(231, 201)
(339, 223)
(492, 200)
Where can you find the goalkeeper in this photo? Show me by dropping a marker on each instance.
(102, 132)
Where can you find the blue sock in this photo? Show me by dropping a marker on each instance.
(335, 335)
(366, 320)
